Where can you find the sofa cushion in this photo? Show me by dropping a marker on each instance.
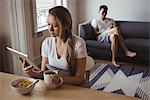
(139, 45)
(98, 45)
(134, 44)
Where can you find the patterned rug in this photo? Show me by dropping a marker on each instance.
(126, 80)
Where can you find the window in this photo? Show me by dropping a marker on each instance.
(41, 12)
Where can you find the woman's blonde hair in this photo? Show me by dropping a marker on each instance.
(64, 20)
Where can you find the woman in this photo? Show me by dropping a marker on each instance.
(64, 51)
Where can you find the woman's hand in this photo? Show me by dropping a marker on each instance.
(30, 70)
(26, 67)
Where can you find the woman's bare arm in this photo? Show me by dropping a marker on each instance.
(79, 77)
(43, 63)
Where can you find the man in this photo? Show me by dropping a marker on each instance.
(107, 31)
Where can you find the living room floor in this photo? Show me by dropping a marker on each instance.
(105, 77)
(98, 61)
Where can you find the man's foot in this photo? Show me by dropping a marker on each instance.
(115, 64)
(130, 54)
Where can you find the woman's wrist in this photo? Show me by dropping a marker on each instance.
(41, 74)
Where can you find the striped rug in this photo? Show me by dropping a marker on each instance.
(126, 80)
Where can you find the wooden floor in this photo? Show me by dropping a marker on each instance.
(122, 63)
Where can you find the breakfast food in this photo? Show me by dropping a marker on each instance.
(23, 84)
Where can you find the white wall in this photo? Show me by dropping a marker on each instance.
(125, 10)
(72, 6)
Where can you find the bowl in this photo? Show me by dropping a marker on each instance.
(23, 85)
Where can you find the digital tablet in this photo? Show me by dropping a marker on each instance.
(23, 56)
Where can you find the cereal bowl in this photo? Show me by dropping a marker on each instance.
(23, 85)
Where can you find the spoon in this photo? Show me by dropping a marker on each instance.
(33, 83)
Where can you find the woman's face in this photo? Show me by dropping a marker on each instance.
(53, 26)
(103, 13)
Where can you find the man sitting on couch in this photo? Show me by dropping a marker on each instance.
(107, 31)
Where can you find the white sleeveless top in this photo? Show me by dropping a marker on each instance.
(49, 50)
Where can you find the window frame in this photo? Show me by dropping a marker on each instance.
(36, 28)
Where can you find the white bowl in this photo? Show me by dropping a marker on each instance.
(20, 90)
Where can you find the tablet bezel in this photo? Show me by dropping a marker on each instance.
(23, 56)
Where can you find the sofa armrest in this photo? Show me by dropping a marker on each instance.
(86, 31)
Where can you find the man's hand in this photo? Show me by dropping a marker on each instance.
(113, 26)
(97, 31)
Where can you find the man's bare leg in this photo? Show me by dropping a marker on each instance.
(126, 50)
(130, 54)
(122, 43)
(114, 47)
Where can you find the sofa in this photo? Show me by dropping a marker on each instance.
(136, 35)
